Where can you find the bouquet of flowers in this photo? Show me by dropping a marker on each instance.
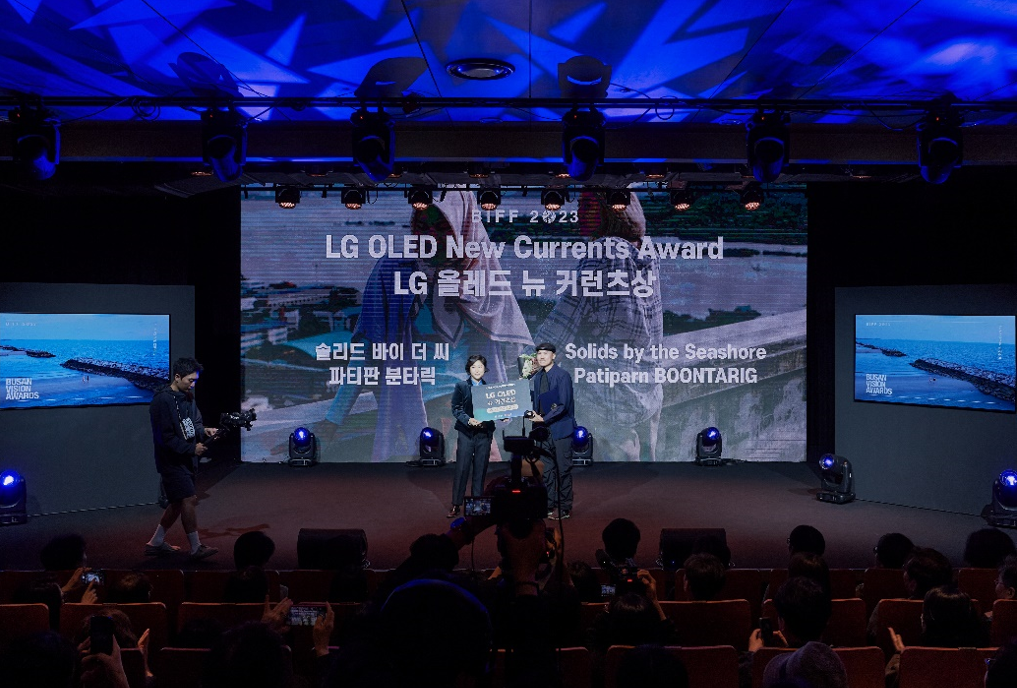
(527, 366)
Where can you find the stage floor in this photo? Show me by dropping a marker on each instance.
(757, 503)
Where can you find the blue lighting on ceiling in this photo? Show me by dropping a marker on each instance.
(282, 50)
(572, 28)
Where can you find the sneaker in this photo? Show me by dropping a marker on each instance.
(550, 513)
(164, 548)
(564, 514)
(204, 552)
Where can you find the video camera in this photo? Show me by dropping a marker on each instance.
(238, 419)
(624, 575)
(518, 503)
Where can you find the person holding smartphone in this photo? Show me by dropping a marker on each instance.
(179, 435)
(473, 450)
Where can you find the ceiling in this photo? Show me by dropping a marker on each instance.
(128, 79)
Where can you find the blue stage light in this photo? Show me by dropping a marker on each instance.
(837, 480)
(582, 447)
(827, 462)
(1007, 488)
(13, 498)
(431, 448)
(36, 142)
(709, 447)
(303, 448)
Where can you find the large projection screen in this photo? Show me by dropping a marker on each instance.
(357, 323)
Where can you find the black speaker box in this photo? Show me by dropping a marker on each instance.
(676, 544)
(329, 548)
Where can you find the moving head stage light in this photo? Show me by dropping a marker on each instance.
(709, 447)
(13, 499)
(838, 480)
(431, 447)
(303, 448)
(582, 447)
(1002, 511)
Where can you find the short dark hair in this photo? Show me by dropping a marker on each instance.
(247, 585)
(40, 660)
(705, 574)
(804, 606)
(893, 549)
(473, 359)
(63, 552)
(253, 548)
(811, 566)
(132, 588)
(651, 666)
(585, 581)
(950, 619)
(632, 620)
(621, 539)
(987, 548)
(806, 539)
(185, 366)
(715, 545)
(250, 656)
(928, 569)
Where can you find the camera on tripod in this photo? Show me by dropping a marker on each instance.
(518, 503)
(238, 419)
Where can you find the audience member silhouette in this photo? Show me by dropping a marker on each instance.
(651, 666)
(133, 588)
(253, 548)
(715, 545)
(39, 660)
(248, 585)
(621, 540)
(1002, 669)
(249, 656)
(704, 577)
(814, 665)
(44, 590)
(585, 581)
(806, 538)
(987, 548)
(811, 566)
(893, 550)
(64, 553)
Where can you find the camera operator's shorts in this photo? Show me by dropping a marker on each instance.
(178, 482)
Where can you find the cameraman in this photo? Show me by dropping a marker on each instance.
(179, 435)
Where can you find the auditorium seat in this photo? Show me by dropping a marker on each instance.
(843, 582)
(723, 622)
(167, 587)
(847, 625)
(905, 617)
(589, 612)
(17, 620)
(921, 667)
(177, 666)
(208, 586)
(864, 666)
(739, 584)
(708, 666)
(12, 581)
(227, 615)
(1004, 621)
(882, 584)
(574, 667)
(979, 584)
(147, 615)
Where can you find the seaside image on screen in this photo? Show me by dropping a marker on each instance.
(82, 359)
(964, 361)
(357, 323)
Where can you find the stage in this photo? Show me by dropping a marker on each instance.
(758, 504)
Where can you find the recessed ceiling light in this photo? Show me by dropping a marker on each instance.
(479, 68)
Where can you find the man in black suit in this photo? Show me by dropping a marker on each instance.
(554, 408)
(473, 451)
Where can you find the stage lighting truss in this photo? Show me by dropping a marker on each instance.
(36, 142)
(287, 196)
(431, 448)
(224, 142)
(374, 143)
(303, 448)
(582, 447)
(709, 447)
(13, 498)
(940, 148)
(582, 142)
(768, 143)
(838, 480)
(1002, 511)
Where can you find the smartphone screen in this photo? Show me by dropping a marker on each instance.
(305, 614)
(100, 631)
(477, 506)
(96, 577)
(766, 628)
(607, 591)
